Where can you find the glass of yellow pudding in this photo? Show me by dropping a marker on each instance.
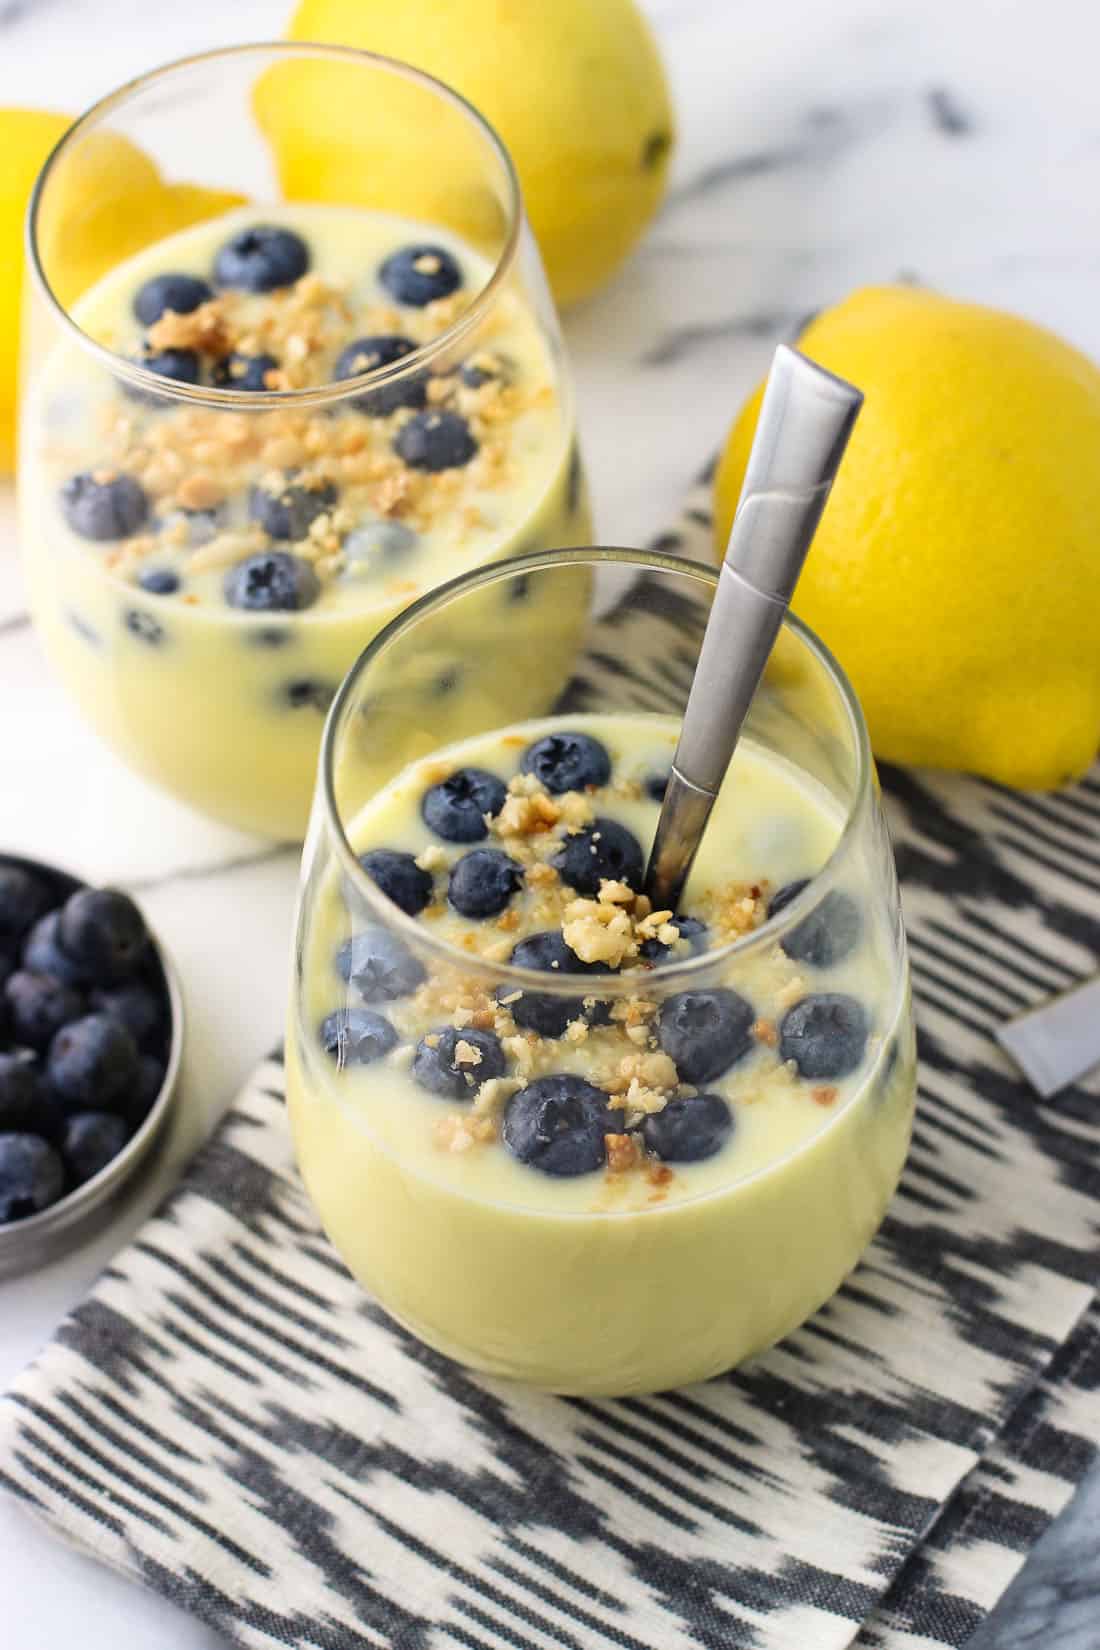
(260, 419)
(560, 1135)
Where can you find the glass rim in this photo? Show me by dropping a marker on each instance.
(319, 395)
(684, 971)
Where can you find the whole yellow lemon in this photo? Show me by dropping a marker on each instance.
(26, 138)
(956, 570)
(574, 87)
(108, 201)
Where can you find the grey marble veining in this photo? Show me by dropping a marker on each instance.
(1054, 1603)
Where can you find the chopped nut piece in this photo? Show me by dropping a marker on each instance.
(791, 992)
(825, 1095)
(431, 858)
(599, 932)
(616, 893)
(199, 492)
(467, 1054)
(493, 1094)
(206, 329)
(622, 1152)
(456, 1133)
(765, 1031)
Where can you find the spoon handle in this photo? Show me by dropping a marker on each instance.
(805, 421)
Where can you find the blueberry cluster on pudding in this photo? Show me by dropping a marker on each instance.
(231, 563)
(85, 1031)
(525, 1052)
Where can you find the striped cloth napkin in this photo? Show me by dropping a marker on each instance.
(230, 1420)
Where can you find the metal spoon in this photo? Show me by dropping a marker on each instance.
(805, 421)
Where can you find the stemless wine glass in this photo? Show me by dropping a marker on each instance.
(260, 417)
(623, 1263)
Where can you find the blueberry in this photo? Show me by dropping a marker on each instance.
(417, 275)
(437, 1068)
(111, 507)
(159, 581)
(49, 1112)
(379, 966)
(93, 1062)
(455, 808)
(484, 368)
(435, 441)
(602, 851)
(289, 513)
(272, 581)
(139, 1102)
(306, 694)
(825, 1035)
(104, 933)
(557, 1124)
(261, 258)
(446, 682)
(38, 1006)
(138, 1007)
(244, 372)
(143, 626)
(375, 540)
(18, 1087)
(828, 934)
(689, 1129)
(483, 881)
(691, 929)
(655, 785)
(180, 293)
(546, 1015)
(382, 350)
(399, 877)
(32, 1176)
(23, 899)
(182, 365)
(269, 636)
(705, 1032)
(356, 1036)
(44, 953)
(567, 762)
(91, 1140)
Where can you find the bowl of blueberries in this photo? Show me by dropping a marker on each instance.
(91, 1027)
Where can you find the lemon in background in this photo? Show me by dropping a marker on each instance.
(26, 138)
(108, 201)
(575, 88)
(956, 570)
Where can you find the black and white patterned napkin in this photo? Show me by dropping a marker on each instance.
(232, 1421)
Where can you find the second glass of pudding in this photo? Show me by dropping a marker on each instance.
(249, 443)
(562, 1136)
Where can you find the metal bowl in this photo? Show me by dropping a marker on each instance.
(32, 1242)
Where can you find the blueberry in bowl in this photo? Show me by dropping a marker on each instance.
(90, 1036)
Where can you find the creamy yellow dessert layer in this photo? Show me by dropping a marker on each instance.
(676, 1254)
(147, 519)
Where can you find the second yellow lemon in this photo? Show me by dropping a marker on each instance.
(956, 571)
(574, 87)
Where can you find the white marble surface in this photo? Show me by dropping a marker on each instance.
(822, 146)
